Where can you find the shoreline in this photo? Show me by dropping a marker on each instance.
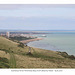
(45, 58)
(59, 52)
(31, 40)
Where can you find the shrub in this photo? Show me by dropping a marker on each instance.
(21, 45)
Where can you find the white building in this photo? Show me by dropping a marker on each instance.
(8, 34)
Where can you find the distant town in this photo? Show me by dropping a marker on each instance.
(13, 34)
(19, 34)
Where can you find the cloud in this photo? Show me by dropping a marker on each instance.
(9, 6)
(17, 6)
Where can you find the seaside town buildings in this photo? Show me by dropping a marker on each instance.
(10, 34)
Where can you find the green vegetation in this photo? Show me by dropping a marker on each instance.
(4, 63)
(12, 61)
(20, 38)
(13, 55)
(21, 45)
(64, 54)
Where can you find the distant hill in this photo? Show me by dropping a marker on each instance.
(13, 56)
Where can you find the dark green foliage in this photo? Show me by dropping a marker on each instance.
(21, 45)
(64, 54)
(20, 38)
(4, 60)
(29, 53)
(6, 51)
(4, 63)
(72, 57)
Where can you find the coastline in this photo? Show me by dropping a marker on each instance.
(30, 40)
(64, 54)
(40, 58)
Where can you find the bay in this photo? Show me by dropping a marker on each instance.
(56, 41)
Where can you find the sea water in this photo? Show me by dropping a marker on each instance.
(56, 41)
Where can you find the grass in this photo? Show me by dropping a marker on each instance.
(16, 57)
(12, 61)
(4, 63)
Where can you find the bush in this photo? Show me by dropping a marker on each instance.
(72, 57)
(21, 45)
(64, 54)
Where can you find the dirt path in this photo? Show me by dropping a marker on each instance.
(12, 61)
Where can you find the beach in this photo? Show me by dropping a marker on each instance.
(30, 40)
(39, 58)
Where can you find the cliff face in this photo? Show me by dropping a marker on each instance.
(13, 56)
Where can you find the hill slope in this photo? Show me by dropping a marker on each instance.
(13, 56)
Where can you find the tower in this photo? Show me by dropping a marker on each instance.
(8, 34)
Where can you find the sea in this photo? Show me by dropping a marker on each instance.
(63, 41)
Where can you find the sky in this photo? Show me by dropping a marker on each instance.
(37, 16)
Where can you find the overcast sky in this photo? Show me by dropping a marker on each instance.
(37, 17)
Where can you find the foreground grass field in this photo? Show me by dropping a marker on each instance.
(13, 56)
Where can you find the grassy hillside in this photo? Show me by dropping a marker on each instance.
(13, 56)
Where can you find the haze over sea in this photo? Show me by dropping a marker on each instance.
(63, 41)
